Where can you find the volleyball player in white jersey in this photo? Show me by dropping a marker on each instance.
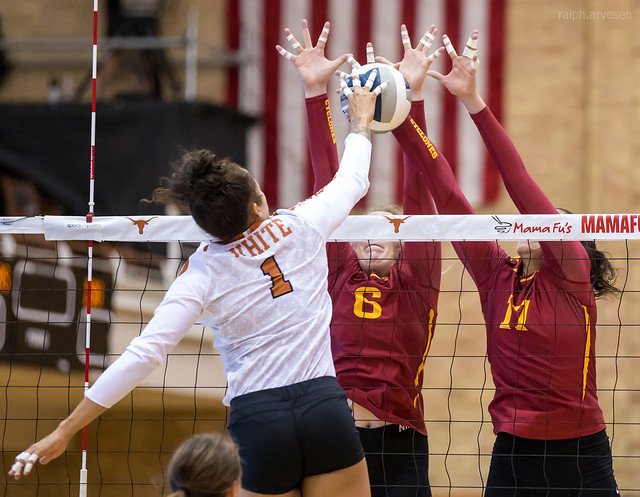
(263, 286)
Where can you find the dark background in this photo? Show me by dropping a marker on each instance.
(136, 140)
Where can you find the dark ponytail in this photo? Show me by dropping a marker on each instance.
(603, 274)
(216, 191)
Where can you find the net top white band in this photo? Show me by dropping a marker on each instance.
(369, 227)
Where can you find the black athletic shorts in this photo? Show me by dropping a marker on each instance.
(397, 460)
(551, 468)
(287, 433)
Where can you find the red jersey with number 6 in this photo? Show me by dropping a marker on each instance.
(381, 328)
(381, 332)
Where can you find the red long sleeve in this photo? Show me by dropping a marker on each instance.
(570, 256)
(434, 171)
(416, 199)
(432, 168)
(424, 258)
(322, 141)
(325, 162)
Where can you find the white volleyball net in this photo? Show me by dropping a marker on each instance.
(43, 298)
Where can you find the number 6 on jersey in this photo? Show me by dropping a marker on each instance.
(279, 286)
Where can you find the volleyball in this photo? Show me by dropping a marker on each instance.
(392, 105)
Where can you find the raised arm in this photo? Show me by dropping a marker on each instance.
(322, 141)
(417, 259)
(330, 206)
(424, 259)
(315, 70)
(434, 171)
(414, 66)
(416, 198)
(568, 257)
(429, 167)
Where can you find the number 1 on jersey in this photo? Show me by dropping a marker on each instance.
(279, 286)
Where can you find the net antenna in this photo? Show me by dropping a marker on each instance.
(90, 213)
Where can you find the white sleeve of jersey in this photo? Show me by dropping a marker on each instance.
(172, 319)
(328, 208)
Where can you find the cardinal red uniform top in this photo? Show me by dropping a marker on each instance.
(381, 328)
(541, 329)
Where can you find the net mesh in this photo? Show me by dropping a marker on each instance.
(43, 294)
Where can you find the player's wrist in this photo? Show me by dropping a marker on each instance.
(473, 103)
(417, 95)
(67, 429)
(314, 90)
(361, 127)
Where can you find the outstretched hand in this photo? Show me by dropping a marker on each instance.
(44, 451)
(57, 441)
(461, 80)
(314, 68)
(415, 62)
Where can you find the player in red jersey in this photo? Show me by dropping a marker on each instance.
(540, 315)
(384, 294)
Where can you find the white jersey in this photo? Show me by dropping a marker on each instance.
(265, 293)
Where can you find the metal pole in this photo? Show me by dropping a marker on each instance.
(191, 57)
